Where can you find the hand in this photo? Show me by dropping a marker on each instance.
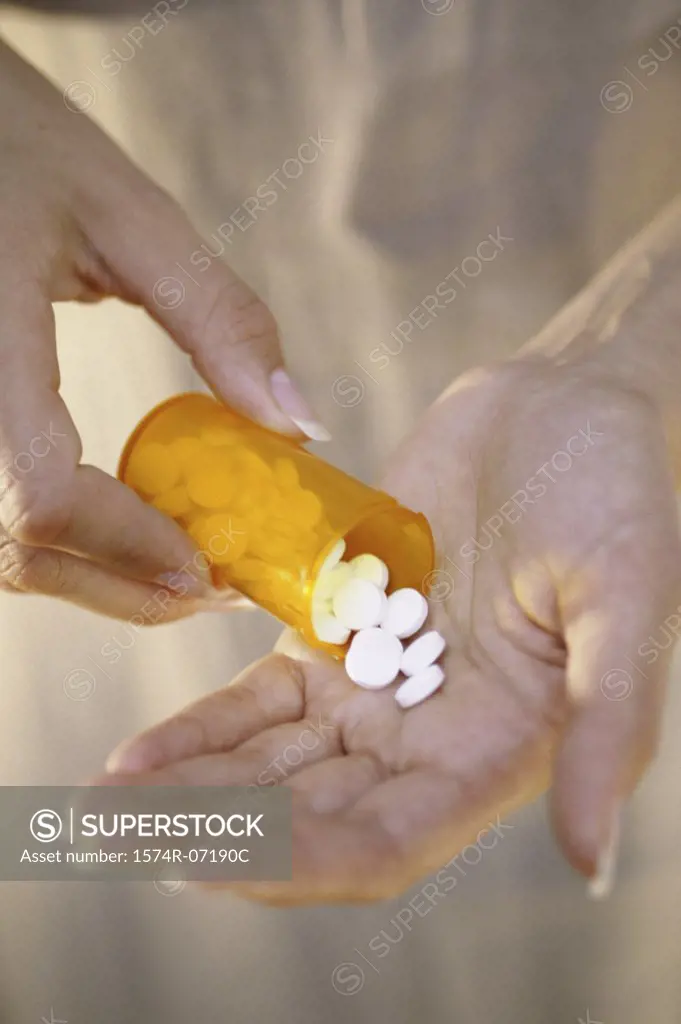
(79, 221)
(549, 492)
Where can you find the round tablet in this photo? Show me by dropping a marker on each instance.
(333, 558)
(420, 686)
(373, 660)
(184, 451)
(152, 469)
(211, 490)
(250, 569)
(326, 626)
(359, 604)
(371, 568)
(286, 474)
(405, 612)
(221, 538)
(422, 653)
(329, 582)
(174, 503)
(219, 435)
(306, 508)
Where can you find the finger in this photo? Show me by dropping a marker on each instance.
(39, 445)
(268, 693)
(213, 315)
(265, 759)
(53, 573)
(109, 523)
(44, 499)
(617, 673)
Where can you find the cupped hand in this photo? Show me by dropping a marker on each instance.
(549, 492)
(78, 221)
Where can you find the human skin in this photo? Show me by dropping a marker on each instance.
(555, 667)
(78, 221)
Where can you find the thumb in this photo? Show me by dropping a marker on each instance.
(163, 264)
(620, 616)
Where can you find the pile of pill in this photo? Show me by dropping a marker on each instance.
(244, 514)
(256, 516)
(350, 597)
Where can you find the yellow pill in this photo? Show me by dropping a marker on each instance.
(306, 554)
(268, 545)
(174, 503)
(250, 569)
(222, 538)
(185, 450)
(285, 529)
(262, 593)
(305, 543)
(307, 508)
(211, 490)
(251, 466)
(218, 436)
(296, 561)
(286, 474)
(279, 506)
(285, 505)
(253, 502)
(210, 459)
(152, 469)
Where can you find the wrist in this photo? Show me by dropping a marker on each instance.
(626, 364)
(625, 326)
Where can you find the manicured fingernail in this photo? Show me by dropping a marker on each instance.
(296, 408)
(600, 886)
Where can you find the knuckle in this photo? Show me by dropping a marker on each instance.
(293, 672)
(196, 731)
(36, 519)
(19, 566)
(236, 316)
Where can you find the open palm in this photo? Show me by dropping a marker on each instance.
(549, 493)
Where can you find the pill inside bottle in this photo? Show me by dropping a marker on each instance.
(265, 514)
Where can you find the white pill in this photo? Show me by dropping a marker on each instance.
(422, 653)
(371, 568)
(359, 604)
(373, 659)
(418, 687)
(326, 625)
(333, 558)
(329, 582)
(405, 612)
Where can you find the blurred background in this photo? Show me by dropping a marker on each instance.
(433, 124)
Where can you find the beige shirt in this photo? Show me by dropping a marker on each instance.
(352, 158)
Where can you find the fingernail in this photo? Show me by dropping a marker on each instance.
(296, 408)
(600, 886)
(186, 584)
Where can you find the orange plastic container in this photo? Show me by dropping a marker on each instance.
(264, 511)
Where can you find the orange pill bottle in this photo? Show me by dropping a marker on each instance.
(264, 512)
